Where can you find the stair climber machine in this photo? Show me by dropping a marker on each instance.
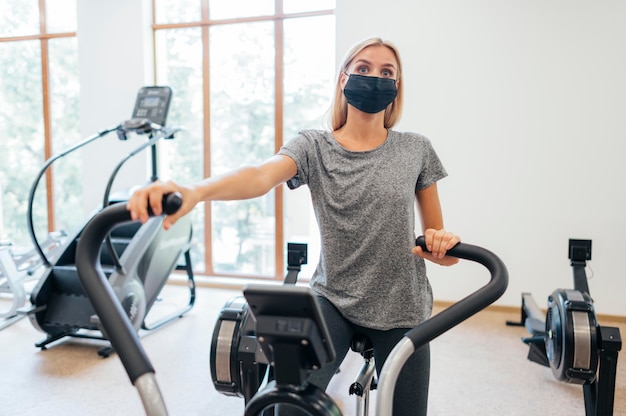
(289, 332)
(137, 259)
(570, 341)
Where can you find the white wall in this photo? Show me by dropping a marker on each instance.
(524, 102)
(115, 60)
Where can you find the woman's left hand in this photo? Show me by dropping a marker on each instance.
(438, 242)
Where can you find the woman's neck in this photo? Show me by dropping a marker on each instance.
(362, 133)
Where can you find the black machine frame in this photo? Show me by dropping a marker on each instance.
(238, 365)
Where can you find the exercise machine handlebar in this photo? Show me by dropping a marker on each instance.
(124, 339)
(443, 321)
(33, 189)
(141, 126)
(116, 324)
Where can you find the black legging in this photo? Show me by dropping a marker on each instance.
(411, 391)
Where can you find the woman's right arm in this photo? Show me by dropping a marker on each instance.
(244, 183)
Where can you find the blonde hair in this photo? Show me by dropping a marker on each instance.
(339, 106)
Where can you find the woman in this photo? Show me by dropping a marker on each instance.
(364, 179)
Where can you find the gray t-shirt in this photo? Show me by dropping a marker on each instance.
(364, 203)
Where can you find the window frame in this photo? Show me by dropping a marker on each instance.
(205, 24)
(44, 38)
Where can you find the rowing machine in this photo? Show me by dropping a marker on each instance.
(570, 341)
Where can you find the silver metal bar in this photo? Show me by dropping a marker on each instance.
(150, 394)
(364, 381)
(389, 376)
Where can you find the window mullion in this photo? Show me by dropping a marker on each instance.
(45, 88)
(206, 76)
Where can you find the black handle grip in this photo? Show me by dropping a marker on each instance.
(171, 203)
(421, 241)
(470, 305)
(114, 320)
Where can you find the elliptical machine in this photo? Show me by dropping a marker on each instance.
(137, 259)
(283, 329)
(570, 341)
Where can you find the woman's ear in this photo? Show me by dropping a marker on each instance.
(343, 78)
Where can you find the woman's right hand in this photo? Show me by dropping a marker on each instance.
(438, 243)
(152, 195)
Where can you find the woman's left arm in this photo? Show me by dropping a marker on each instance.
(438, 240)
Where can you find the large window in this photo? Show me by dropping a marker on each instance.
(246, 76)
(39, 117)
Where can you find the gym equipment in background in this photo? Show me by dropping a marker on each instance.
(570, 341)
(299, 332)
(18, 266)
(137, 259)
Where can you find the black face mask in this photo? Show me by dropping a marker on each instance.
(370, 94)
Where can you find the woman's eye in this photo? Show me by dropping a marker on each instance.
(362, 70)
(387, 73)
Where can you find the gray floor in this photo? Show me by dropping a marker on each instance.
(478, 368)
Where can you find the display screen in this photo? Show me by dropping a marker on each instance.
(153, 103)
(150, 102)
